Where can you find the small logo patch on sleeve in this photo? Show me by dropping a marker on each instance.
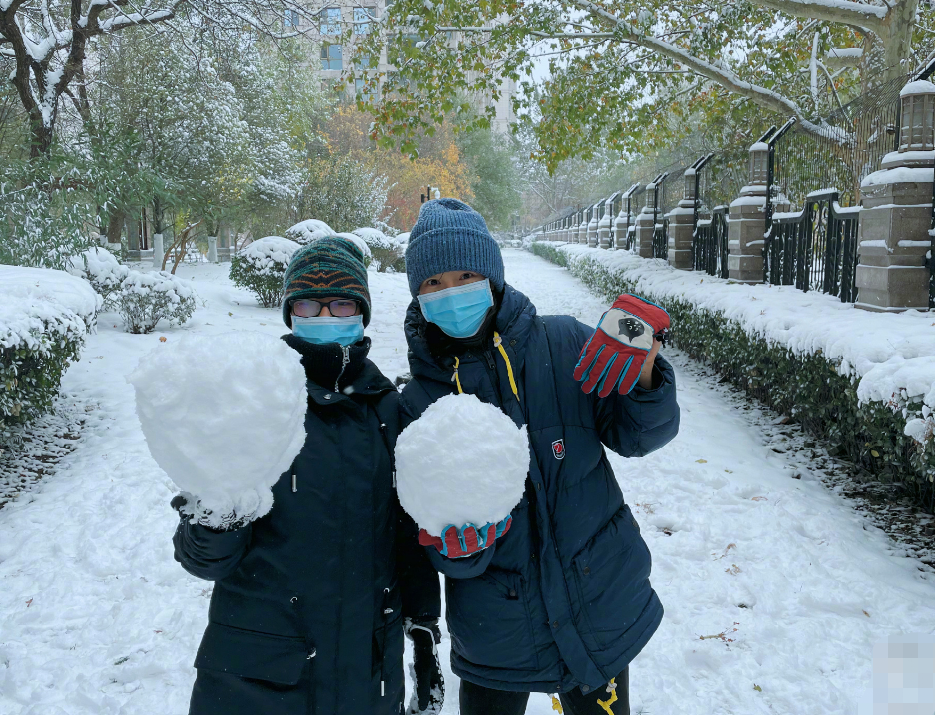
(558, 449)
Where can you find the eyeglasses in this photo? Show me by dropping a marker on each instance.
(340, 308)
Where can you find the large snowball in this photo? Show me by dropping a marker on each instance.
(223, 416)
(462, 462)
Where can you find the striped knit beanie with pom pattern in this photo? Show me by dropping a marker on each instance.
(329, 266)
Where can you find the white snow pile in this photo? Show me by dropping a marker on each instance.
(38, 304)
(357, 241)
(890, 355)
(304, 232)
(462, 462)
(100, 268)
(270, 255)
(403, 238)
(224, 416)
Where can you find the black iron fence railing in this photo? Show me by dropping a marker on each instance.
(709, 243)
(816, 248)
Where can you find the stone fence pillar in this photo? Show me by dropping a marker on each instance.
(592, 228)
(621, 226)
(603, 227)
(213, 249)
(583, 228)
(748, 221)
(682, 225)
(896, 212)
(159, 251)
(646, 224)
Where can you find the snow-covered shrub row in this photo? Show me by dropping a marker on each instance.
(101, 269)
(387, 251)
(44, 317)
(146, 298)
(261, 267)
(863, 382)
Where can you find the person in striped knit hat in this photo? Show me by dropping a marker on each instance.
(310, 601)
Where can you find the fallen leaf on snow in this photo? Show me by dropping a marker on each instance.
(162, 339)
(702, 461)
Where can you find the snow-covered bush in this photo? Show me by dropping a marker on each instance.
(261, 267)
(146, 298)
(44, 317)
(101, 269)
(387, 252)
(860, 381)
(200, 418)
(304, 232)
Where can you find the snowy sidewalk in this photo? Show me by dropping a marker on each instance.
(97, 618)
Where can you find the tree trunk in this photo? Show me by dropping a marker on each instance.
(115, 226)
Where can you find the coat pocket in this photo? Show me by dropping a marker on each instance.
(252, 654)
(612, 575)
(489, 620)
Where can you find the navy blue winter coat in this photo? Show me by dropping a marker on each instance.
(563, 599)
(306, 614)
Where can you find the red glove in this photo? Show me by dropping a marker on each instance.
(456, 543)
(616, 352)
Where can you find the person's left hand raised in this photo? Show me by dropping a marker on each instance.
(628, 336)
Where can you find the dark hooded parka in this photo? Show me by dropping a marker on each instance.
(563, 599)
(308, 601)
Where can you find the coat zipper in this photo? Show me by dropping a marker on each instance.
(386, 612)
(346, 359)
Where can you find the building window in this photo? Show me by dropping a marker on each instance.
(330, 21)
(292, 18)
(362, 92)
(362, 18)
(331, 57)
(365, 62)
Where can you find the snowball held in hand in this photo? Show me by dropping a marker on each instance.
(223, 416)
(462, 462)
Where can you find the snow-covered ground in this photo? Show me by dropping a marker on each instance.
(775, 590)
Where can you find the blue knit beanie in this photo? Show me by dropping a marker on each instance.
(451, 236)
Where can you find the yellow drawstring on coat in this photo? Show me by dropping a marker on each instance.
(556, 705)
(498, 343)
(612, 689)
(455, 377)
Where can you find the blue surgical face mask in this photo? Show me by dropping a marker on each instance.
(343, 331)
(459, 311)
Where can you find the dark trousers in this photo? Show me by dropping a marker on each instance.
(478, 700)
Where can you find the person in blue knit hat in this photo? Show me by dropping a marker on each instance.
(555, 597)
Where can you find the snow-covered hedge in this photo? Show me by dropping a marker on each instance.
(261, 267)
(387, 251)
(145, 298)
(863, 382)
(44, 317)
(101, 269)
(304, 232)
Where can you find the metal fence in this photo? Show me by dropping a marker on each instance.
(815, 248)
(709, 243)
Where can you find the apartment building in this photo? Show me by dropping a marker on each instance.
(334, 21)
